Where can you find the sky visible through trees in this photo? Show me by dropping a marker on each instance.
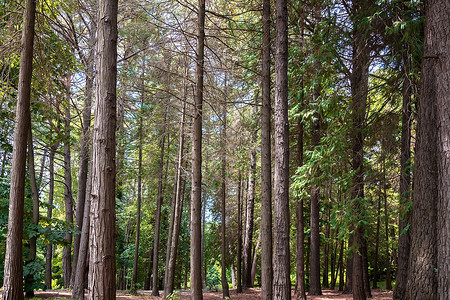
(293, 147)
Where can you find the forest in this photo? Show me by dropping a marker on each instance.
(269, 148)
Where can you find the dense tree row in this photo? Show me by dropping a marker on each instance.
(166, 145)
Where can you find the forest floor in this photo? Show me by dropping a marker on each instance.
(248, 294)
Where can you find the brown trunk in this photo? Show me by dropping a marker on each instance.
(248, 235)
(29, 280)
(326, 249)
(266, 162)
(386, 224)
(155, 286)
(196, 198)
(82, 263)
(377, 245)
(439, 30)
(68, 201)
(223, 196)
(177, 209)
(51, 192)
(102, 271)
(422, 280)
(281, 253)
(138, 209)
(239, 237)
(255, 260)
(84, 154)
(13, 281)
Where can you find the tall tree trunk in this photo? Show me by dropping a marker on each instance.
(266, 162)
(359, 90)
(404, 242)
(248, 235)
(13, 281)
(422, 280)
(439, 30)
(196, 197)
(281, 253)
(300, 236)
(239, 237)
(29, 279)
(314, 280)
(326, 249)
(377, 245)
(82, 263)
(102, 279)
(386, 224)
(51, 192)
(177, 209)
(68, 201)
(155, 287)
(84, 154)
(255, 260)
(138, 209)
(341, 267)
(223, 196)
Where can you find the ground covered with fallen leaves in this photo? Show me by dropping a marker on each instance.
(248, 294)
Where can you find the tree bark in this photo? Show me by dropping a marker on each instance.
(155, 286)
(255, 260)
(239, 237)
(281, 253)
(196, 197)
(51, 192)
(377, 245)
(341, 267)
(68, 201)
(13, 281)
(266, 162)
(404, 243)
(102, 271)
(438, 29)
(386, 224)
(84, 155)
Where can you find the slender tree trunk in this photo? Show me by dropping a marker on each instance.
(377, 245)
(138, 210)
(266, 162)
(255, 260)
(13, 281)
(196, 197)
(239, 237)
(233, 276)
(386, 224)
(82, 263)
(223, 196)
(439, 29)
(404, 243)
(281, 253)
(326, 249)
(341, 267)
(51, 192)
(177, 208)
(68, 201)
(102, 271)
(349, 268)
(84, 155)
(155, 290)
(248, 238)
(29, 280)
(333, 262)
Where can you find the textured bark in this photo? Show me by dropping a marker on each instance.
(359, 90)
(102, 271)
(196, 197)
(239, 237)
(341, 267)
(266, 162)
(300, 236)
(326, 250)
(35, 196)
(438, 30)
(422, 277)
(80, 271)
(13, 281)
(255, 260)
(51, 192)
(223, 196)
(155, 286)
(404, 243)
(386, 227)
(84, 155)
(248, 235)
(68, 201)
(281, 253)
(177, 209)
(377, 245)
